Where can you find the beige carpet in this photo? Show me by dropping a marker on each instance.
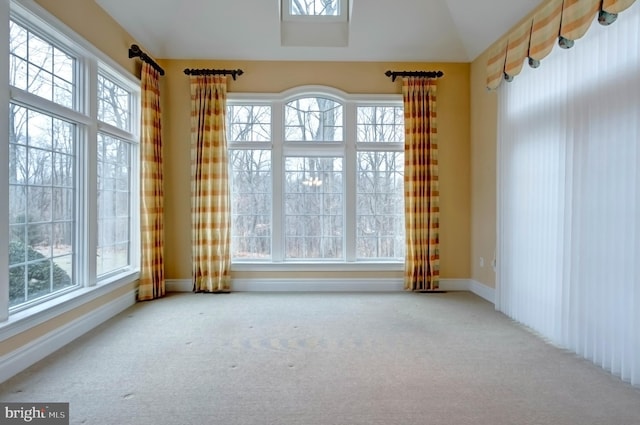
(311, 359)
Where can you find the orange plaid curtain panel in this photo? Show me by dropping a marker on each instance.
(210, 203)
(422, 211)
(152, 282)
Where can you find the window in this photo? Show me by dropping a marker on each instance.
(319, 10)
(71, 164)
(114, 199)
(380, 182)
(115, 180)
(40, 67)
(249, 138)
(315, 23)
(316, 177)
(42, 217)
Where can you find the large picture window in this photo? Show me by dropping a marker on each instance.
(72, 165)
(316, 178)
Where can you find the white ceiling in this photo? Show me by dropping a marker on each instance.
(380, 30)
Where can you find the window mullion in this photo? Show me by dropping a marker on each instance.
(88, 234)
(116, 132)
(350, 202)
(37, 103)
(277, 175)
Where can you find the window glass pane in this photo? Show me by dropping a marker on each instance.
(380, 205)
(41, 205)
(114, 213)
(250, 175)
(39, 67)
(380, 124)
(114, 104)
(313, 119)
(248, 123)
(315, 7)
(314, 205)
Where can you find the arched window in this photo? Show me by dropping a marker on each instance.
(316, 175)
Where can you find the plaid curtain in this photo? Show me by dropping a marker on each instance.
(422, 213)
(152, 283)
(210, 204)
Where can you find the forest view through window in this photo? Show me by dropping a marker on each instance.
(72, 169)
(322, 183)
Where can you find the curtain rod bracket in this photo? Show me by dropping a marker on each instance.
(135, 52)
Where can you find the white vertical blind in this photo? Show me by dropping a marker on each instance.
(569, 197)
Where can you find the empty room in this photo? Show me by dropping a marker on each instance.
(320, 212)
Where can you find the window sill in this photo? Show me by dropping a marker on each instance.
(24, 320)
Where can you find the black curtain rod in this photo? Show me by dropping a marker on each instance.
(135, 52)
(428, 74)
(233, 72)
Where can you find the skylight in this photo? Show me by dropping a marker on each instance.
(319, 23)
(314, 7)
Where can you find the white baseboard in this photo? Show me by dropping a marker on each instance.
(298, 285)
(454, 284)
(18, 360)
(334, 285)
(178, 285)
(317, 285)
(482, 290)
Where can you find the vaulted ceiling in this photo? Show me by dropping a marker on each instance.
(379, 30)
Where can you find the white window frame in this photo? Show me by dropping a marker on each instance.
(348, 149)
(90, 62)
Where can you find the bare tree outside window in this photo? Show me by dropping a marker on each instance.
(380, 183)
(315, 7)
(313, 185)
(41, 171)
(114, 104)
(114, 179)
(313, 119)
(248, 130)
(314, 203)
(314, 208)
(114, 212)
(41, 204)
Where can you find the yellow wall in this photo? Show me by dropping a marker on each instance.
(96, 26)
(484, 121)
(351, 77)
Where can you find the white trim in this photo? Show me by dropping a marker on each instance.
(454, 284)
(38, 103)
(364, 99)
(28, 318)
(18, 360)
(335, 285)
(482, 290)
(317, 285)
(178, 285)
(4, 164)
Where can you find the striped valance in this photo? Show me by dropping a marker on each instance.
(562, 20)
